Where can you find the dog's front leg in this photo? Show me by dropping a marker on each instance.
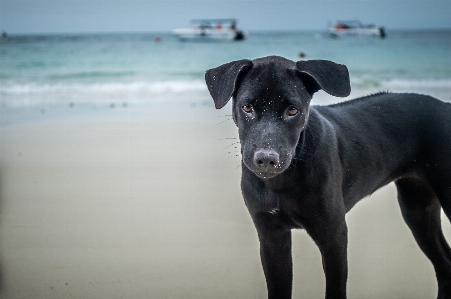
(332, 239)
(275, 253)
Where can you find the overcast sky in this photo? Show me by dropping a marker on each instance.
(76, 16)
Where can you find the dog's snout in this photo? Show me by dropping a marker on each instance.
(266, 159)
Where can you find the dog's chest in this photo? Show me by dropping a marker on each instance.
(276, 207)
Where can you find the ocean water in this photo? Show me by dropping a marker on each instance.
(107, 70)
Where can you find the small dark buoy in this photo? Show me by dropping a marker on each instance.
(302, 54)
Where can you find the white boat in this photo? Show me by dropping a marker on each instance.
(210, 30)
(346, 28)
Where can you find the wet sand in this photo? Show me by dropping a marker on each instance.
(144, 202)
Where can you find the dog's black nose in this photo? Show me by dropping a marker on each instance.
(266, 159)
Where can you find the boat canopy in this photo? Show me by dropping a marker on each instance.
(356, 28)
(200, 21)
(353, 24)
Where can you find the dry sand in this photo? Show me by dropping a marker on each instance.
(144, 202)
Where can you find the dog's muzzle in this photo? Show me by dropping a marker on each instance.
(267, 163)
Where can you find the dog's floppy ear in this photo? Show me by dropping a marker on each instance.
(222, 80)
(329, 76)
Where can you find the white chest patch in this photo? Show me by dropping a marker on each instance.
(274, 211)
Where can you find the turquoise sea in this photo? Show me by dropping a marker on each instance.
(113, 70)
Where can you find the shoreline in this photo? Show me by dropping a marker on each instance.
(74, 108)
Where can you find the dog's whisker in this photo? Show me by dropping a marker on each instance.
(230, 145)
(224, 121)
(234, 152)
(230, 153)
(232, 156)
(225, 115)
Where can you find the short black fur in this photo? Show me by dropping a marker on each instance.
(304, 167)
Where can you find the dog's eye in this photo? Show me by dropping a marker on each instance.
(292, 111)
(248, 108)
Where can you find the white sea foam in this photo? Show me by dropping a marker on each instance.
(103, 88)
(429, 83)
(372, 84)
(32, 93)
(140, 91)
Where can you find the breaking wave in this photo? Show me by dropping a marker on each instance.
(141, 91)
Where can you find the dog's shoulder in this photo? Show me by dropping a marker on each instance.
(386, 109)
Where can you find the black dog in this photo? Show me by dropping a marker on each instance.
(305, 166)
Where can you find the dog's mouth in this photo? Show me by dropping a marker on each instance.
(266, 174)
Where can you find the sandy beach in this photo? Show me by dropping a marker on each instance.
(144, 202)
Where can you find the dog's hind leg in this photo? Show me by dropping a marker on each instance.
(442, 187)
(421, 211)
